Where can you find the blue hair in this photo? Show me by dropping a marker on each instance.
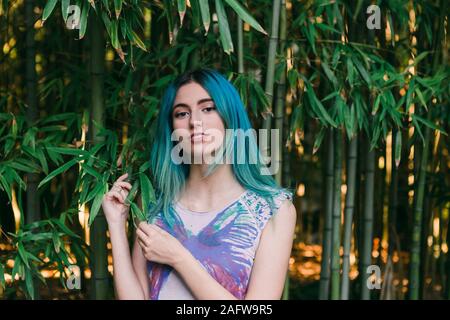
(170, 177)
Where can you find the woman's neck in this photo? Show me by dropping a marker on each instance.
(207, 193)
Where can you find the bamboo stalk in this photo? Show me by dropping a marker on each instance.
(447, 286)
(328, 210)
(33, 208)
(270, 72)
(348, 214)
(336, 222)
(417, 220)
(414, 285)
(367, 227)
(240, 45)
(33, 213)
(99, 262)
(393, 197)
(280, 108)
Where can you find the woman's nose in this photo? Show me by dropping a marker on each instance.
(195, 120)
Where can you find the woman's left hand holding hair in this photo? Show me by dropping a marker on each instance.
(160, 246)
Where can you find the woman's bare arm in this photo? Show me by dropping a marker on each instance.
(129, 273)
(272, 257)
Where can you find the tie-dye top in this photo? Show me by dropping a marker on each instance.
(224, 242)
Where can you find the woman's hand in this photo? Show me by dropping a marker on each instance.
(113, 204)
(160, 246)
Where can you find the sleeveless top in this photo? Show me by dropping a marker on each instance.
(223, 241)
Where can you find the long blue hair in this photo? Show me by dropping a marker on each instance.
(170, 177)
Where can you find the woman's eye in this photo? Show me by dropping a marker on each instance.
(209, 109)
(181, 114)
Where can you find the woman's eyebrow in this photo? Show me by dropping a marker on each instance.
(198, 102)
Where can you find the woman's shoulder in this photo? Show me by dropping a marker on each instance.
(264, 207)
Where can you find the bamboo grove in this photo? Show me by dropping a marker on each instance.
(364, 114)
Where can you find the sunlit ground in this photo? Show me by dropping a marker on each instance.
(304, 271)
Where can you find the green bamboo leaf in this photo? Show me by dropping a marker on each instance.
(18, 164)
(375, 136)
(92, 194)
(350, 72)
(37, 236)
(428, 123)
(245, 15)
(114, 36)
(69, 151)
(398, 147)
(181, 4)
(5, 186)
(311, 35)
(326, 27)
(96, 204)
(132, 193)
(91, 171)
(65, 229)
(50, 5)
(330, 96)
(14, 128)
(206, 16)
(137, 213)
(14, 176)
(411, 87)
(58, 171)
(107, 23)
(56, 242)
(64, 7)
(29, 283)
(56, 127)
(18, 265)
(118, 7)
(421, 98)
(137, 41)
(417, 127)
(225, 35)
(362, 71)
(419, 58)
(376, 104)
(318, 140)
(329, 73)
(83, 20)
(106, 5)
(318, 106)
(2, 275)
(22, 254)
(147, 192)
(349, 120)
(124, 29)
(41, 157)
(67, 116)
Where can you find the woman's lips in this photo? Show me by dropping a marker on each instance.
(198, 137)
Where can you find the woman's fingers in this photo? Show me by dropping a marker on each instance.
(142, 237)
(122, 177)
(145, 228)
(117, 195)
(123, 184)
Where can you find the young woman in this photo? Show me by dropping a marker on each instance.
(221, 230)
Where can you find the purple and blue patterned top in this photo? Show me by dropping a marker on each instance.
(224, 242)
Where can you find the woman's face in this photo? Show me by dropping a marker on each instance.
(197, 121)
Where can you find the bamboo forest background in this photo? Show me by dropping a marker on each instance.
(364, 114)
